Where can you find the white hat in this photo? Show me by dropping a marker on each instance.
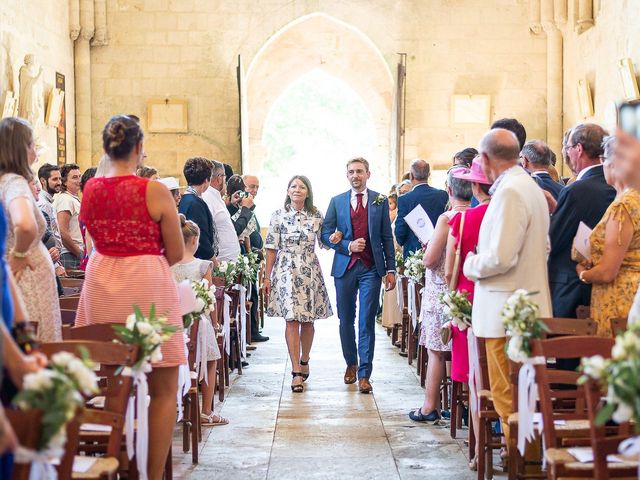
(170, 182)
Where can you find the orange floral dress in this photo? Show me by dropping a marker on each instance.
(612, 300)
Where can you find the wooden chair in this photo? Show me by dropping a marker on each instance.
(115, 389)
(235, 360)
(69, 303)
(618, 325)
(27, 427)
(72, 282)
(414, 333)
(68, 317)
(562, 401)
(191, 428)
(583, 311)
(405, 325)
(557, 327)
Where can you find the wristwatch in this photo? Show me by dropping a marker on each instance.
(17, 254)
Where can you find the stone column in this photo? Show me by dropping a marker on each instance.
(100, 38)
(82, 64)
(585, 15)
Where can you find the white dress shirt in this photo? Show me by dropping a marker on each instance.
(229, 247)
(585, 170)
(354, 199)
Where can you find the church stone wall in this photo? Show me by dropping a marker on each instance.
(42, 28)
(188, 49)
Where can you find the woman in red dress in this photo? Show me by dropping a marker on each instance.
(467, 242)
(136, 234)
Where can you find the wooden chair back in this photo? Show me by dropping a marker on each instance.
(405, 292)
(70, 303)
(618, 325)
(67, 316)
(114, 387)
(483, 381)
(605, 440)
(583, 311)
(560, 396)
(72, 282)
(27, 426)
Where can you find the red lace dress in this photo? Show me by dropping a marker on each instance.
(128, 267)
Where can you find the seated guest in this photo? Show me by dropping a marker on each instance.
(51, 183)
(67, 206)
(147, 172)
(536, 159)
(433, 202)
(584, 200)
(174, 187)
(132, 268)
(197, 172)
(512, 248)
(27, 256)
(432, 315)
(614, 268)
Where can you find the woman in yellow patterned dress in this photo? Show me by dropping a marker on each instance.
(614, 270)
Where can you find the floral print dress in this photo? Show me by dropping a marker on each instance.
(297, 291)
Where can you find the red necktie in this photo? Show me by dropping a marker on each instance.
(359, 205)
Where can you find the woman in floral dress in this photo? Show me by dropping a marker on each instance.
(294, 284)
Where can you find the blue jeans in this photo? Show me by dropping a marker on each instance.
(363, 284)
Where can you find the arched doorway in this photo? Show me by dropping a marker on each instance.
(323, 63)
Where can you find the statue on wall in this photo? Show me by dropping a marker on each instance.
(31, 100)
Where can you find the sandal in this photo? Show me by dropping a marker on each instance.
(212, 420)
(418, 416)
(298, 387)
(304, 375)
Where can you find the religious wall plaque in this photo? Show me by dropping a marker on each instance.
(61, 144)
(167, 116)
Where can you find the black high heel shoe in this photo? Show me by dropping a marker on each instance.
(297, 388)
(304, 364)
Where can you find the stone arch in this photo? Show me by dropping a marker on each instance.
(317, 41)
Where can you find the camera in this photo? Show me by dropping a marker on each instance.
(242, 195)
(629, 117)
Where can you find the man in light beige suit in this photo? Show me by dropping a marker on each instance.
(511, 254)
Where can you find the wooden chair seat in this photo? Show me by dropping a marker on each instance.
(561, 456)
(102, 467)
(569, 429)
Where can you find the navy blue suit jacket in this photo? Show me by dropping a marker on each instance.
(380, 236)
(196, 210)
(584, 200)
(434, 202)
(544, 180)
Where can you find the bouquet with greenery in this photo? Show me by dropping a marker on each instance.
(247, 268)
(205, 301)
(414, 267)
(399, 260)
(457, 307)
(58, 392)
(621, 374)
(147, 333)
(520, 319)
(226, 270)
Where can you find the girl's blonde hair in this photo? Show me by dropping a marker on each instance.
(189, 228)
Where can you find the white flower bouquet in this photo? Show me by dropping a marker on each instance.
(205, 301)
(226, 270)
(621, 374)
(146, 332)
(520, 319)
(247, 268)
(399, 260)
(414, 267)
(58, 392)
(457, 307)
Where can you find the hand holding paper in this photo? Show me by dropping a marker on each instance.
(581, 244)
(420, 223)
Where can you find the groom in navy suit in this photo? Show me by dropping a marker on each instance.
(358, 228)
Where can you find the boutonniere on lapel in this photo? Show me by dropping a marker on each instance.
(379, 200)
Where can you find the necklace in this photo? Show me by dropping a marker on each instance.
(457, 207)
(485, 201)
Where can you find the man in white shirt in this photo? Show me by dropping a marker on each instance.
(229, 248)
(67, 206)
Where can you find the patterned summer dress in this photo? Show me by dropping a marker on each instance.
(298, 291)
(128, 267)
(38, 286)
(613, 300)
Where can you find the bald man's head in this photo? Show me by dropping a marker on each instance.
(252, 184)
(500, 144)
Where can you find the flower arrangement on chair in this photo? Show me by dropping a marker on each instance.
(226, 270)
(414, 268)
(205, 301)
(521, 322)
(58, 392)
(458, 308)
(247, 268)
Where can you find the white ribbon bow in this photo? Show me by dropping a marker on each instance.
(399, 292)
(41, 462)
(527, 397)
(630, 447)
(139, 408)
(242, 318)
(226, 325)
(474, 371)
(411, 297)
(184, 379)
(201, 350)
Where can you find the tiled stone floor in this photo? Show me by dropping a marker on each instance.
(328, 432)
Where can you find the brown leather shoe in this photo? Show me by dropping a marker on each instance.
(364, 386)
(350, 374)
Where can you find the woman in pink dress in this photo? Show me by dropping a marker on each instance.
(136, 235)
(466, 237)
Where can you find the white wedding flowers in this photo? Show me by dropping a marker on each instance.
(520, 319)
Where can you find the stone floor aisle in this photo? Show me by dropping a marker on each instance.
(330, 431)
